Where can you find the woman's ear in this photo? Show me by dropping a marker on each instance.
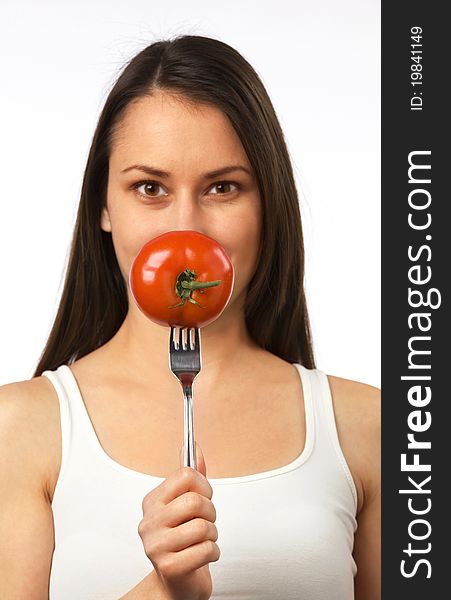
(105, 222)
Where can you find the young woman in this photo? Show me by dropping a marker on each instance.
(95, 500)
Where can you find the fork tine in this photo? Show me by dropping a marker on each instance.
(180, 338)
(175, 339)
(171, 340)
(196, 338)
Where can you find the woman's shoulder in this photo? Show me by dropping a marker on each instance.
(360, 399)
(26, 402)
(29, 426)
(357, 408)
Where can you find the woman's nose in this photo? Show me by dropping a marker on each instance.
(187, 212)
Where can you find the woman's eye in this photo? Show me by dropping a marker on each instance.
(150, 189)
(224, 187)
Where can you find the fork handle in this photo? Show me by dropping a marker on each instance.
(189, 453)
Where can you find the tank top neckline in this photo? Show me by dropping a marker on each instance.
(294, 464)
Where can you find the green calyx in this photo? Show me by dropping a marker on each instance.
(186, 284)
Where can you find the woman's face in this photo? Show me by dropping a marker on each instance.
(161, 179)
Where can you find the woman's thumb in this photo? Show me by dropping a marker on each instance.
(201, 466)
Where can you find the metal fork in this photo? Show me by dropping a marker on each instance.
(185, 363)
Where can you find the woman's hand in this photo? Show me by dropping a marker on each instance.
(179, 534)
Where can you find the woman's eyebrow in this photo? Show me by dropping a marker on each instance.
(210, 175)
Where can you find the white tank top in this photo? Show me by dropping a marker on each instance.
(286, 533)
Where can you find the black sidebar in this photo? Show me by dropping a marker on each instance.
(416, 237)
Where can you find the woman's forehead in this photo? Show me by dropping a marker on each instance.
(172, 126)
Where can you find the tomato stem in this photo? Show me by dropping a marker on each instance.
(186, 284)
(194, 285)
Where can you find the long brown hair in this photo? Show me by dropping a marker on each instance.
(94, 300)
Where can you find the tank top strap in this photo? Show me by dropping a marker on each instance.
(327, 444)
(76, 427)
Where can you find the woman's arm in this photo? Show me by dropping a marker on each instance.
(26, 522)
(357, 408)
(367, 549)
(367, 541)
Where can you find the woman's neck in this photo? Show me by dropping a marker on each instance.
(141, 347)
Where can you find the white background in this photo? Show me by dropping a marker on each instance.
(320, 62)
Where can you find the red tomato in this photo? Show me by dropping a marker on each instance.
(182, 279)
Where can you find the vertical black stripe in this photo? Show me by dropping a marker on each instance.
(422, 135)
